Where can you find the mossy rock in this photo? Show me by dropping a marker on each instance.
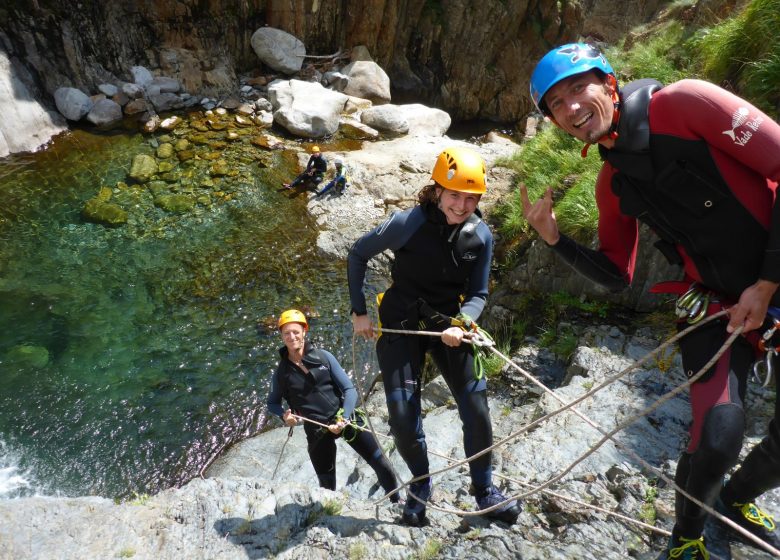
(106, 213)
(166, 166)
(220, 168)
(200, 126)
(143, 168)
(185, 155)
(175, 203)
(159, 188)
(165, 150)
(27, 355)
(181, 144)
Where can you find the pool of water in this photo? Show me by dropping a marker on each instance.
(129, 355)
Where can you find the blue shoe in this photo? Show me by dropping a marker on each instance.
(489, 497)
(414, 510)
(748, 516)
(680, 548)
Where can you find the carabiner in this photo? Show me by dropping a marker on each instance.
(763, 370)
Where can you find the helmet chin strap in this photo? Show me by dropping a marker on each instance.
(612, 132)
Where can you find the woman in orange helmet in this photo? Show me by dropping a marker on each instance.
(315, 386)
(442, 255)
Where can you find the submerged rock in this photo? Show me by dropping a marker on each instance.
(176, 203)
(143, 168)
(27, 356)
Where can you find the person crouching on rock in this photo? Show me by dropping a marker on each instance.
(316, 387)
(314, 172)
(442, 255)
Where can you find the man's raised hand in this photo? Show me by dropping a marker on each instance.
(540, 215)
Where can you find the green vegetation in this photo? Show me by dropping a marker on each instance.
(743, 52)
(328, 507)
(430, 550)
(647, 511)
(358, 551)
(663, 54)
(139, 499)
(126, 553)
(552, 160)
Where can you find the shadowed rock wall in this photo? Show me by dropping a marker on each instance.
(471, 58)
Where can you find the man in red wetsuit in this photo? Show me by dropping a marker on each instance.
(700, 166)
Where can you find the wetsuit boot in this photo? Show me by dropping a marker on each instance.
(489, 497)
(414, 509)
(327, 480)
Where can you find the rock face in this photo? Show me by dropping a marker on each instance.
(469, 57)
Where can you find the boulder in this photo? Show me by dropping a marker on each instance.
(165, 101)
(425, 121)
(109, 90)
(141, 76)
(367, 80)
(278, 49)
(305, 108)
(166, 84)
(356, 130)
(73, 103)
(388, 118)
(105, 112)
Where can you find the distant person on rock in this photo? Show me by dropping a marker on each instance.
(340, 181)
(442, 252)
(314, 172)
(700, 166)
(317, 388)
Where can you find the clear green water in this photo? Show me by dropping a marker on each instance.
(146, 356)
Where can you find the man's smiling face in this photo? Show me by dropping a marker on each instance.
(582, 105)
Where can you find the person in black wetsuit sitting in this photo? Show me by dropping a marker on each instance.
(314, 172)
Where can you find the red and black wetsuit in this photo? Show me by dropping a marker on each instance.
(700, 166)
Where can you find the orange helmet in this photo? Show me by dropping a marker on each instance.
(460, 169)
(315, 149)
(293, 316)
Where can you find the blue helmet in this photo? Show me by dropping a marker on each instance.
(562, 62)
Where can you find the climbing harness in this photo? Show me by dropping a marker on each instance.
(281, 453)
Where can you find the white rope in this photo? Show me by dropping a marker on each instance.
(607, 435)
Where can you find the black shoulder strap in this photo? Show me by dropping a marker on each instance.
(631, 153)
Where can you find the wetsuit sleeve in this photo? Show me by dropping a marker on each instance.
(612, 265)
(734, 130)
(478, 283)
(274, 401)
(342, 380)
(391, 234)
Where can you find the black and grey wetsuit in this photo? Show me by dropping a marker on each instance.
(319, 395)
(438, 267)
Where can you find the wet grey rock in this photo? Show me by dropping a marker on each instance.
(73, 103)
(105, 112)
